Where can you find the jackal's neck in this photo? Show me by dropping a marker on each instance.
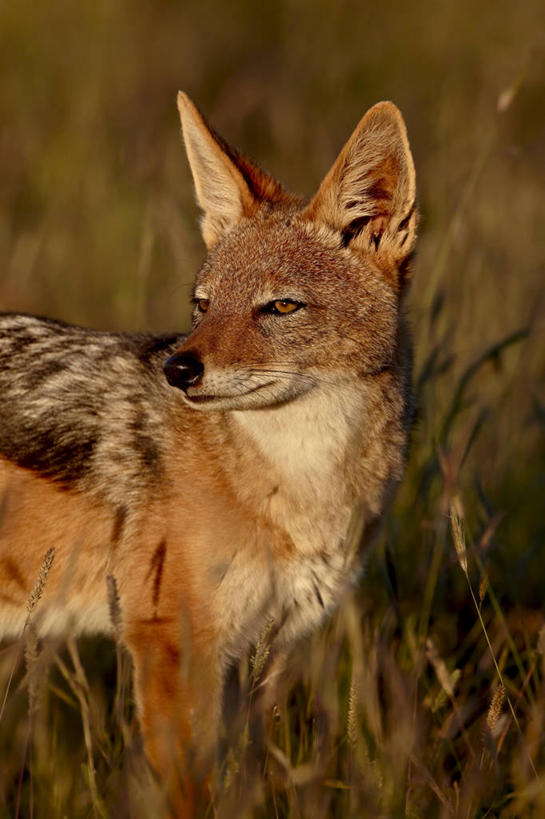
(320, 456)
(307, 442)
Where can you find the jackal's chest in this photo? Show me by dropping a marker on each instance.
(310, 588)
(293, 595)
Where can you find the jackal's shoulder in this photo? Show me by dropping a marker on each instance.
(78, 404)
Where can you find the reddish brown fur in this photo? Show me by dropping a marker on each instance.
(224, 503)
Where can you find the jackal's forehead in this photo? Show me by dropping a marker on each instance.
(270, 258)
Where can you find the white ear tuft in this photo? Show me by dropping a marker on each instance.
(368, 196)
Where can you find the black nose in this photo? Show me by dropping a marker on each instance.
(183, 370)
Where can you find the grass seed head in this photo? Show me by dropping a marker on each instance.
(41, 580)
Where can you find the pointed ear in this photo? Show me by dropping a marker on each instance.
(228, 186)
(368, 196)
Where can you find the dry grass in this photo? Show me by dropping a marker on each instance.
(425, 696)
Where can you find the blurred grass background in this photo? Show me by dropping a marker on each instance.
(388, 711)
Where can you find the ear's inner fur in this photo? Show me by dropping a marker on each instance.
(368, 195)
(354, 229)
(227, 185)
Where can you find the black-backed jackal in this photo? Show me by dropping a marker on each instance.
(219, 496)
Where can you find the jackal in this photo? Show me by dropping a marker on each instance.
(219, 496)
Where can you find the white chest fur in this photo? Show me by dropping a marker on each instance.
(309, 444)
(294, 594)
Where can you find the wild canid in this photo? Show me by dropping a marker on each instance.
(219, 496)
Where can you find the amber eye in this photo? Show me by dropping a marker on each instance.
(202, 305)
(283, 306)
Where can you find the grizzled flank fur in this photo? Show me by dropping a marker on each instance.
(51, 418)
(219, 501)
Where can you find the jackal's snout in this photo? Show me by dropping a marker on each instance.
(184, 370)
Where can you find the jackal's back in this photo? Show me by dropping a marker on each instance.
(80, 406)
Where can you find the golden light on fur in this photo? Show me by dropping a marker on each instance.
(208, 518)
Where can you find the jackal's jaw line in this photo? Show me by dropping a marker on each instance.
(225, 395)
(194, 396)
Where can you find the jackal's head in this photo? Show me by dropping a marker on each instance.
(295, 295)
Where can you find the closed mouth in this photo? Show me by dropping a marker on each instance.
(203, 399)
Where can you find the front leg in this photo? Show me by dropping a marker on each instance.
(177, 681)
